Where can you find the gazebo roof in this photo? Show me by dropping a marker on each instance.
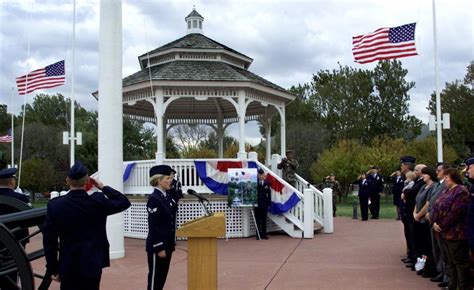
(194, 13)
(197, 71)
(194, 41)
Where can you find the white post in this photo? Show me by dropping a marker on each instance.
(276, 159)
(439, 128)
(242, 154)
(308, 212)
(253, 156)
(269, 144)
(283, 132)
(12, 132)
(159, 103)
(72, 140)
(327, 205)
(110, 113)
(220, 134)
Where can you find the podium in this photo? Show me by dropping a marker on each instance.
(202, 236)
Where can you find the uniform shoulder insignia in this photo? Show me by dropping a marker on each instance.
(152, 210)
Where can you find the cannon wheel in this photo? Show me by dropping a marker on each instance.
(19, 258)
(12, 253)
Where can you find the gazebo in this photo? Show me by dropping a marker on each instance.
(197, 80)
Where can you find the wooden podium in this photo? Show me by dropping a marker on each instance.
(202, 236)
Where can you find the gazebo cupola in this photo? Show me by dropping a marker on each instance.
(194, 22)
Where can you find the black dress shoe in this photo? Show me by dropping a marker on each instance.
(437, 279)
(405, 260)
(428, 275)
(410, 265)
(443, 284)
(265, 238)
(420, 273)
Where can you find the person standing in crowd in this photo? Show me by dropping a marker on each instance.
(422, 226)
(160, 242)
(410, 202)
(407, 164)
(263, 202)
(439, 256)
(7, 188)
(364, 194)
(75, 227)
(289, 165)
(376, 189)
(449, 217)
(470, 171)
(397, 186)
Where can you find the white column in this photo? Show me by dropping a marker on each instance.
(268, 132)
(110, 113)
(308, 211)
(327, 205)
(439, 128)
(283, 131)
(159, 103)
(276, 159)
(220, 134)
(241, 112)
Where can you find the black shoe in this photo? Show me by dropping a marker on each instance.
(428, 275)
(443, 284)
(265, 238)
(420, 273)
(437, 279)
(404, 260)
(410, 265)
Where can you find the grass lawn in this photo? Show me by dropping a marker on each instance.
(387, 209)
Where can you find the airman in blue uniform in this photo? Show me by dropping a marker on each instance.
(75, 227)
(263, 202)
(7, 186)
(160, 242)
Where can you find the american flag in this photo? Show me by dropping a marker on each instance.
(48, 77)
(385, 43)
(7, 138)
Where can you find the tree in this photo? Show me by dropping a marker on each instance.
(363, 104)
(457, 99)
(38, 176)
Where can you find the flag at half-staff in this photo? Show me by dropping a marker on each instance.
(48, 77)
(385, 43)
(7, 138)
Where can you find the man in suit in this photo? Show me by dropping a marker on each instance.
(75, 227)
(376, 188)
(263, 201)
(364, 194)
(7, 186)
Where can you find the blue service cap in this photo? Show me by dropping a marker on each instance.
(77, 171)
(161, 169)
(407, 159)
(7, 173)
(469, 161)
(260, 171)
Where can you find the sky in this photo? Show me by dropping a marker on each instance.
(289, 41)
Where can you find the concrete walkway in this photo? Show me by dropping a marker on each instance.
(358, 255)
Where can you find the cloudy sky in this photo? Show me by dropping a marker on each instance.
(288, 40)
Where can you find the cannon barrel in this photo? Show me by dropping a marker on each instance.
(25, 218)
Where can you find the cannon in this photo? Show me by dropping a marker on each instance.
(14, 235)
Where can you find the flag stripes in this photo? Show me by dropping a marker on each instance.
(48, 77)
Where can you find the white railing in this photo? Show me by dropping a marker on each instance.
(138, 183)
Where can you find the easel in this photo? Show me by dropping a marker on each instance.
(252, 210)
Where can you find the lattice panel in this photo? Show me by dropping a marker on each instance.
(136, 225)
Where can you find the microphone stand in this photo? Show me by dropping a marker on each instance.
(203, 201)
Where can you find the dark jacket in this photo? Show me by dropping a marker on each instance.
(78, 220)
(398, 184)
(376, 183)
(4, 209)
(161, 223)
(410, 195)
(364, 187)
(264, 194)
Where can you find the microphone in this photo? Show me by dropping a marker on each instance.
(194, 193)
(201, 199)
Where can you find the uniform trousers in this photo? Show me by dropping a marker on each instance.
(375, 204)
(364, 207)
(261, 219)
(157, 270)
(74, 282)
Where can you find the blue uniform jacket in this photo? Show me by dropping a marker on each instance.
(78, 221)
(364, 187)
(264, 194)
(470, 217)
(4, 209)
(376, 183)
(398, 184)
(161, 223)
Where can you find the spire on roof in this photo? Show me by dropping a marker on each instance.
(194, 22)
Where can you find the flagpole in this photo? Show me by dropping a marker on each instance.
(72, 136)
(439, 130)
(12, 132)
